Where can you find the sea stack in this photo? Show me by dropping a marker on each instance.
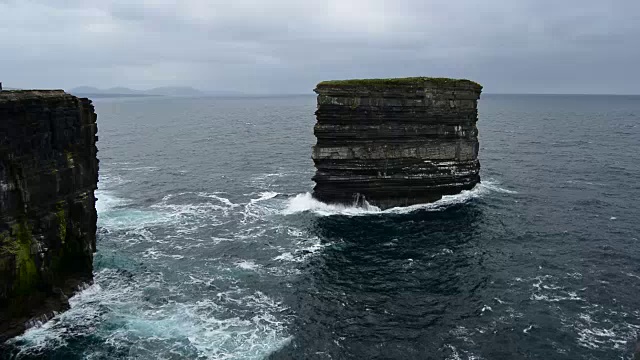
(395, 142)
(48, 174)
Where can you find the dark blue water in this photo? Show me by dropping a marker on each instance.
(210, 247)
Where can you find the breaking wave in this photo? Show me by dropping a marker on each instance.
(126, 318)
(306, 203)
(136, 309)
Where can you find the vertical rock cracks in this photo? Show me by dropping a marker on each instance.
(48, 174)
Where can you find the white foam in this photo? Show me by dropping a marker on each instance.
(207, 209)
(256, 208)
(264, 196)
(143, 168)
(294, 232)
(287, 256)
(593, 337)
(306, 203)
(155, 254)
(114, 214)
(107, 181)
(199, 329)
(117, 309)
(632, 275)
(494, 186)
(526, 331)
(575, 275)
(301, 253)
(216, 196)
(131, 219)
(265, 181)
(455, 355)
(443, 252)
(248, 265)
(107, 201)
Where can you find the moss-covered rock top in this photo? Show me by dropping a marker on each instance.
(392, 82)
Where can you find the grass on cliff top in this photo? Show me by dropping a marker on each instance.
(419, 81)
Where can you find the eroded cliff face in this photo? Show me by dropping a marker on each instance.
(48, 174)
(395, 142)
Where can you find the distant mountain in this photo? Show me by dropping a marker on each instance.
(175, 91)
(85, 90)
(123, 91)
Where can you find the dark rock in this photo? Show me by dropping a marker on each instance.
(395, 142)
(48, 174)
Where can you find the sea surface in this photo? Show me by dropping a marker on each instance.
(211, 247)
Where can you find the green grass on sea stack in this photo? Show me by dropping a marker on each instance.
(398, 82)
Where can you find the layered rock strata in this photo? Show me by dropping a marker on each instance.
(48, 174)
(395, 142)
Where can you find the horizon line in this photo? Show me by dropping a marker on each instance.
(207, 93)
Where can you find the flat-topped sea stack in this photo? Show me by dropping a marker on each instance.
(395, 142)
(48, 174)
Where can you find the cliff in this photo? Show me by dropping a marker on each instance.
(395, 142)
(48, 174)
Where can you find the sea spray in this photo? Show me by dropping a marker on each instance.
(305, 202)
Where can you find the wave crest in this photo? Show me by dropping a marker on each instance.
(307, 203)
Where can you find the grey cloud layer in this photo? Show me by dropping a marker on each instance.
(286, 46)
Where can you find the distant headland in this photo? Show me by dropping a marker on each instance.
(127, 92)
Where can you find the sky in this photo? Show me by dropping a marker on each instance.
(288, 46)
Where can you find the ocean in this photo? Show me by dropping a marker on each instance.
(210, 245)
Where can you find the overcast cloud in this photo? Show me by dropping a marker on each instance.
(287, 46)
